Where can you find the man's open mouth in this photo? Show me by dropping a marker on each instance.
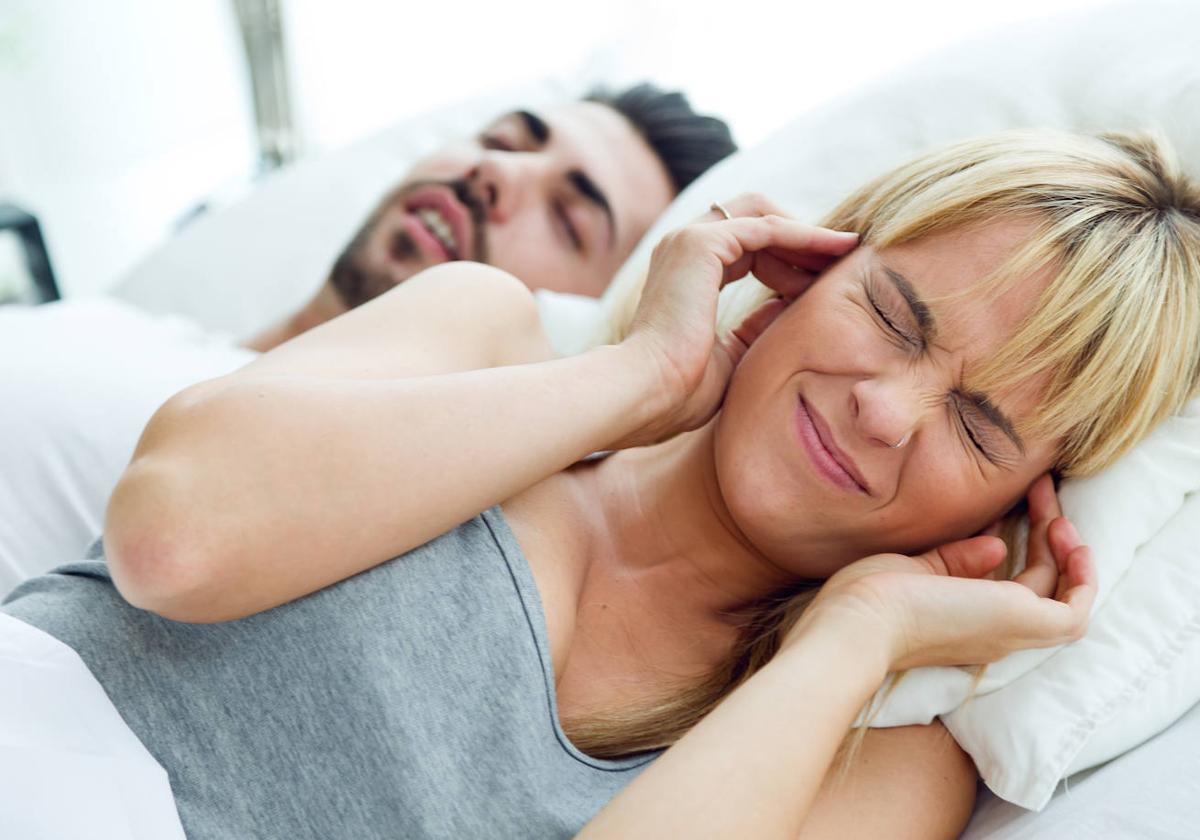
(445, 221)
(436, 224)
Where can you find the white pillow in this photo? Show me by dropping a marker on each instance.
(1125, 66)
(1041, 714)
(241, 268)
(81, 378)
(1153, 791)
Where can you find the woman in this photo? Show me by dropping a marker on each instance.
(1015, 305)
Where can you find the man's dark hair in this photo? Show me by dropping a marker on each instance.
(687, 143)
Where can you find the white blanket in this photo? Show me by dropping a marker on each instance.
(69, 766)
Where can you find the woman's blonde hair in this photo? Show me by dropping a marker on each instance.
(1116, 332)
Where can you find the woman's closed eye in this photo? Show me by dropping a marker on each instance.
(973, 429)
(975, 432)
(890, 321)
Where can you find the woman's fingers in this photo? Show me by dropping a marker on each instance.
(789, 265)
(757, 205)
(1064, 540)
(1043, 500)
(790, 236)
(783, 277)
(936, 617)
(1082, 581)
(733, 239)
(812, 261)
(972, 558)
(746, 204)
(1041, 573)
(1066, 618)
(673, 326)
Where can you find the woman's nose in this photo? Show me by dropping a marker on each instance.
(886, 411)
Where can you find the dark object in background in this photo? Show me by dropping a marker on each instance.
(40, 286)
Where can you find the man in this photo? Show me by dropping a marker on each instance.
(558, 199)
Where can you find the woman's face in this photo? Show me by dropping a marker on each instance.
(806, 453)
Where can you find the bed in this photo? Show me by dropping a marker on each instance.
(236, 269)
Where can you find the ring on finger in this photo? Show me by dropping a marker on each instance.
(720, 208)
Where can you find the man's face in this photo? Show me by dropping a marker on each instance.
(558, 199)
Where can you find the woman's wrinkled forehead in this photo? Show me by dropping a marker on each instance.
(928, 281)
(933, 276)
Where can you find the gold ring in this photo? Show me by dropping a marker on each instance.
(716, 205)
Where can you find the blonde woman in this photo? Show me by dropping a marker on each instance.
(383, 591)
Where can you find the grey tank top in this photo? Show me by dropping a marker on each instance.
(413, 700)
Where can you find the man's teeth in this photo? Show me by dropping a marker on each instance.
(433, 220)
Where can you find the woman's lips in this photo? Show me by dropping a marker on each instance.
(826, 463)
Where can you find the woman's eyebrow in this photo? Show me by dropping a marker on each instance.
(928, 328)
(920, 310)
(996, 417)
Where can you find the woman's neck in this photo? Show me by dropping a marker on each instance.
(663, 547)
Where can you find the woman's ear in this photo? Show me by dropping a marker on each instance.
(756, 322)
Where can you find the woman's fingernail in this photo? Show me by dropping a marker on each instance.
(1072, 533)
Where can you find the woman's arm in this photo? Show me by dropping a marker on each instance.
(452, 317)
(908, 782)
(333, 452)
(753, 766)
(904, 783)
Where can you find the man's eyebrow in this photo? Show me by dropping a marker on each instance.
(539, 130)
(928, 327)
(588, 189)
(535, 125)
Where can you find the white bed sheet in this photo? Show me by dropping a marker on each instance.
(1150, 792)
(69, 765)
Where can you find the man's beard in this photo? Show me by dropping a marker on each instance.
(356, 283)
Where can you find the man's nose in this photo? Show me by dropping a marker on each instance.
(504, 181)
(887, 410)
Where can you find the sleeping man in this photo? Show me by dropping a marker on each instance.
(558, 198)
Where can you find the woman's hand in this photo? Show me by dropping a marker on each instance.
(935, 608)
(674, 325)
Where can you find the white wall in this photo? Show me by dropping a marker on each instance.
(360, 64)
(117, 117)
